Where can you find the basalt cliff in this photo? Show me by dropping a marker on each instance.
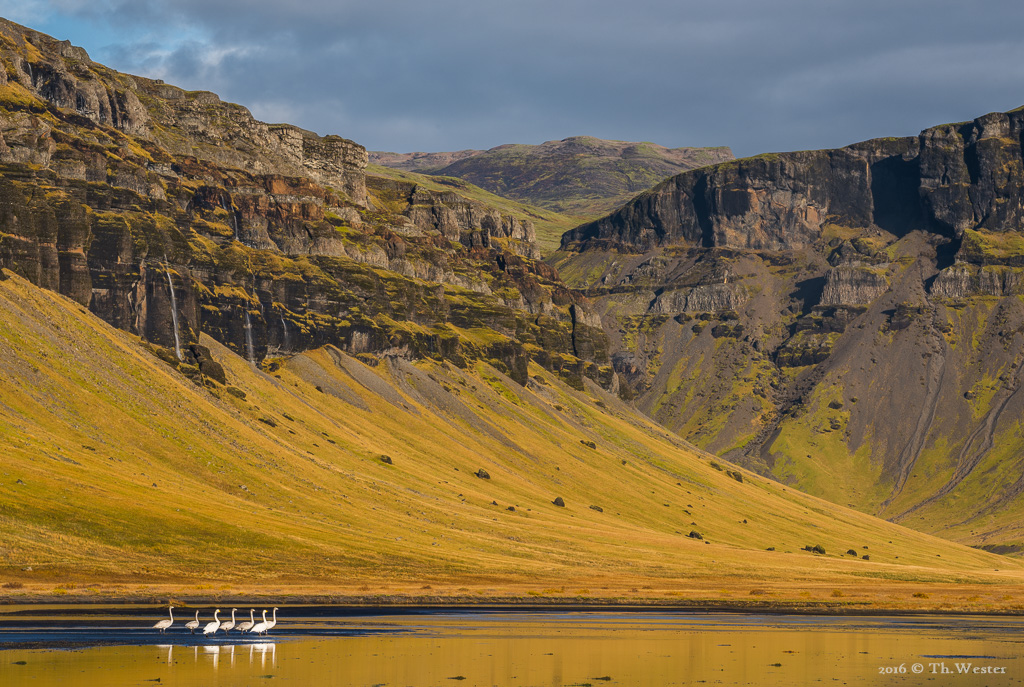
(170, 213)
(848, 321)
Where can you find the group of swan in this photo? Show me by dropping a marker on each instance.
(215, 625)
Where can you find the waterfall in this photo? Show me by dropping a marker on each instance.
(284, 328)
(250, 348)
(174, 309)
(234, 216)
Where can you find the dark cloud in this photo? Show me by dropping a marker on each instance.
(449, 74)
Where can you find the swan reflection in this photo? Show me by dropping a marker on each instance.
(263, 648)
(214, 653)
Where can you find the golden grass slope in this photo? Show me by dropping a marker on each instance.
(117, 469)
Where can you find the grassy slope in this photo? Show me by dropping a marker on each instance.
(841, 441)
(117, 470)
(550, 225)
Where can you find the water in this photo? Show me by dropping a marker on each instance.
(174, 310)
(332, 646)
(250, 348)
(287, 338)
(234, 216)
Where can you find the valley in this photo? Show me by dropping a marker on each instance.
(241, 358)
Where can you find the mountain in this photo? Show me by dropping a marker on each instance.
(580, 176)
(846, 321)
(171, 214)
(232, 360)
(326, 474)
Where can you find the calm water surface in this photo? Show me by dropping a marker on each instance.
(323, 646)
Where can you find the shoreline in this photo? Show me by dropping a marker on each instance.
(71, 628)
(366, 607)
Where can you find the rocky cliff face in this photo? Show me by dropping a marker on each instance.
(170, 213)
(457, 218)
(848, 321)
(947, 180)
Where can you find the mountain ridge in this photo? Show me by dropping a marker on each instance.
(171, 213)
(579, 175)
(861, 307)
(259, 277)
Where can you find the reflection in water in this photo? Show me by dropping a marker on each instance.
(263, 648)
(213, 652)
(555, 650)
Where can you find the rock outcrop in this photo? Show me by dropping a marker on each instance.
(457, 218)
(963, 281)
(853, 285)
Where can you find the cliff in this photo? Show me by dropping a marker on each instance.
(847, 321)
(170, 213)
(949, 179)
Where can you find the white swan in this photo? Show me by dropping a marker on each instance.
(229, 625)
(214, 625)
(272, 623)
(193, 625)
(164, 624)
(260, 628)
(246, 625)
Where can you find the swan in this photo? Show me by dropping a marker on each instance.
(260, 628)
(272, 623)
(246, 625)
(193, 625)
(229, 625)
(164, 624)
(212, 627)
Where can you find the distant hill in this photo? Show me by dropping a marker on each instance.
(581, 175)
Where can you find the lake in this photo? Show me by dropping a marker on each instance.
(110, 646)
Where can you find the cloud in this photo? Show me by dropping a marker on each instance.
(451, 74)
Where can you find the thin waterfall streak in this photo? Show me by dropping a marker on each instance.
(234, 216)
(249, 347)
(174, 310)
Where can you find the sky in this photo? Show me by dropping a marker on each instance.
(436, 75)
